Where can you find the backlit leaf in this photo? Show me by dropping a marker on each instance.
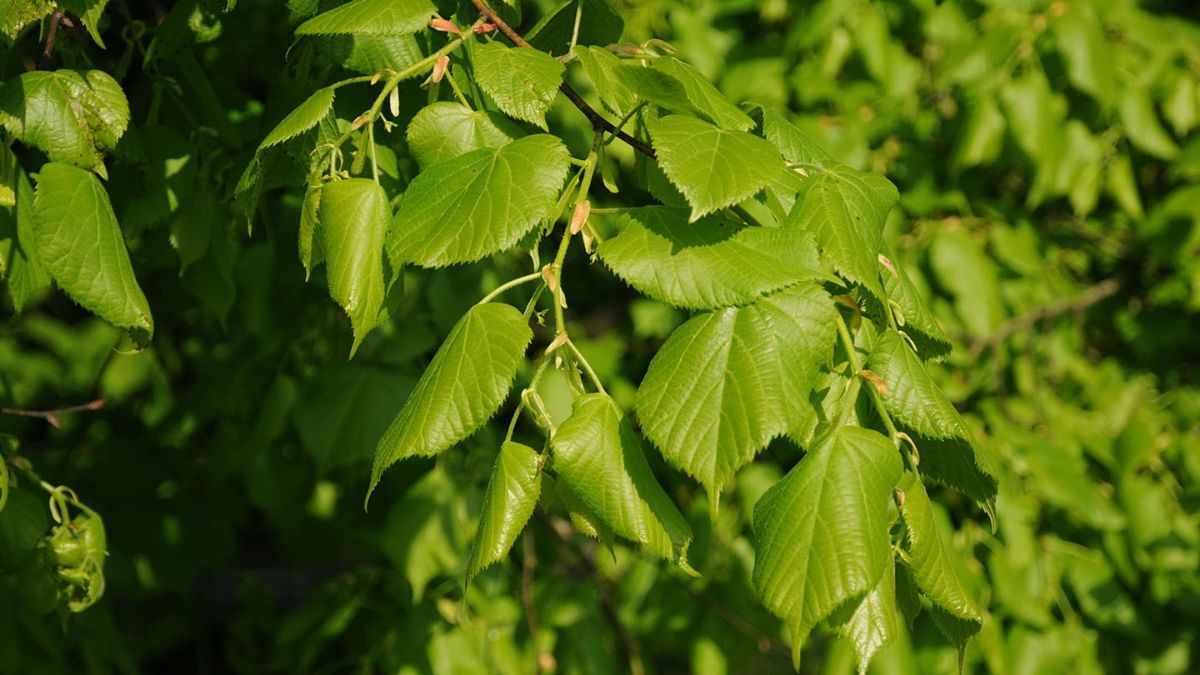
(306, 116)
(388, 17)
(447, 129)
(523, 82)
(461, 389)
(512, 493)
(354, 216)
(703, 95)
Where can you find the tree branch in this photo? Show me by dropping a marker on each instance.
(52, 416)
(599, 123)
(1027, 320)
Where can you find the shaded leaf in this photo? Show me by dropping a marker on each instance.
(873, 625)
(599, 24)
(19, 263)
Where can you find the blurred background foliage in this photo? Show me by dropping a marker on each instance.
(1049, 169)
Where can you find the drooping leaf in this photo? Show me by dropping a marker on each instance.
(19, 263)
(309, 237)
(523, 82)
(948, 452)
(845, 211)
(703, 96)
(713, 262)
(727, 382)
(463, 387)
(822, 532)
(81, 246)
(919, 323)
(598, 457)
(447, 129)
(71, 115)
(382, 17)
(873, 625)
(478, 203)
(305, 116)
(713, 167)
(955, 610)
(652, 86)
(599, 24)
(89, 12)
(354, 216)
(512, 493)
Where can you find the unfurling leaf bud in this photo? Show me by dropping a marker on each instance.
(440, 67)
(445, 26)
(580, 216)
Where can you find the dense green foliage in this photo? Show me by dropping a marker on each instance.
(867, 339)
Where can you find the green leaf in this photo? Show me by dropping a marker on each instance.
(306, 116)
(422, 535)
(344, 410)
(22, 523)
(703, 96)
(309, 238)
(19, 263)
(512, 493)
(523, 82)
(713, 262)
(845, 211)
(1142, 126)
(354, 216)
(714, 168)
(381, 17)
(445, 130)
(873, 625)
(80, 244)
(89, 12)
(599, 24)
(600, 66)
(598, 457)
(795, 145)
(652, 86)
(964, 269)
(463, 387)
(949, 454)
(822, 531)
(918, 321)
(16, 14)
(479, 203)
(727, 382)
(955, 610)
(71, 115)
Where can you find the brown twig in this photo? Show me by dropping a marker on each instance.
(52, 416)
(55, 19)
(599, 123)
(1027, 320)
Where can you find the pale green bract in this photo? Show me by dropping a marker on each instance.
(80, 245)
(447, 129)
(598, 457)
(378, 17)
(845, 211)
(512, 493)
(523, 82)
(71, 115)
(306, 116)
(727, 382)
(713, 262)
(833, 506)
(948, 452)
(479, 203)
(461, 389)
(712, 167)
(354, 216)
(954, 609)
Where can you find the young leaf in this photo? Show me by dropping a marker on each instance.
(845, 211)
(71, 115)
(711, 263)
(447, 129)
(948, 452)
(21, 268)
(873, 626)
(714, 168)
(598, 457)
(727, 382)
(822, 531)
(954, 608)
(479, 203)
(311, 251)
(80, 245)
(600, 66)
(795, 145)
(463, 387)
(703, 96)
(511, 495)
(918, 321)
(523, 82)
(306, 116)
(353, 217)
(598, 24)
(382, 17)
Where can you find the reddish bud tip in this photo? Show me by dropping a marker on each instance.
(445, 26)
